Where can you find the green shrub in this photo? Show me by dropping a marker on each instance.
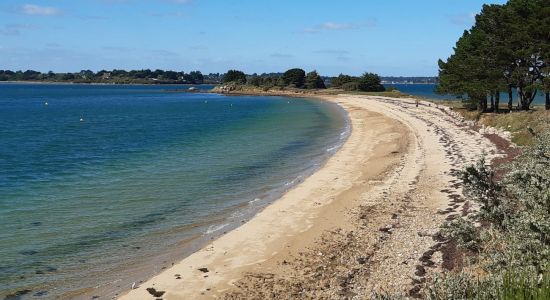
(370, 82)
(341, 80)
(314, 81)
(294, 77)
(514, 245)
(234, 76)
(522, 284)
(463, 232)
(480, 186)
(351, 86)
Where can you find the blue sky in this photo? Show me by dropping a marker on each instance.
(400, 37)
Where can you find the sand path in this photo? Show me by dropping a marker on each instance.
(364, 222)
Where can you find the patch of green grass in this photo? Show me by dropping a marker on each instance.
(519, 122)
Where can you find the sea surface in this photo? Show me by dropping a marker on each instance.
(102, 185)
(428, 91)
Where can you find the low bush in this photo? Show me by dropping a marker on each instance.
(512, 249)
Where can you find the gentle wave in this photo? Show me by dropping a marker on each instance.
(215, 228)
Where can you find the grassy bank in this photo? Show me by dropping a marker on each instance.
(522, 124)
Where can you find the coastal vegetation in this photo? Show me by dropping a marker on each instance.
(298, 79)
(234, 76)
(368, 82)
(506, 245)
(314, 81)
(507, 49)
(292, 78)
(145, 76)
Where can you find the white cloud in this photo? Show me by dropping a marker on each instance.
(336, 26)
(333, 26)
(36, 10)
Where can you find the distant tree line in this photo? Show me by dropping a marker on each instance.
(367, 82)
(507, 49)
(113, 76)
(294, 78)
(298, 78)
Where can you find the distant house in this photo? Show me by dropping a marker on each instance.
(106, 75)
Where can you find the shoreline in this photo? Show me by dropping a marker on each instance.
(151, 265)
(261, 224)
(102, 83)
(392, 184)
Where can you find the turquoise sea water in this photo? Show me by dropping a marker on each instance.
(105, 185)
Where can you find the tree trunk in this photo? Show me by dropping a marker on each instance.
(492, 102)
(547, 103)
(526, 101)
(523, 101)
(497, 100)
(481, 103)
(510, 98)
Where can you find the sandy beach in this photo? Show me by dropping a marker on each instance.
(365, 223)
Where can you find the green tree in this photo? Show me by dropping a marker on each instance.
(255, 81)
(506, 48)
(197, 77)
(314, 81)
(464, 73)
(67, 76)
(30, 75)
(370, 82)
(351, 86)
(341, 80)
(172, 75)
(234, 76)
(295, 77)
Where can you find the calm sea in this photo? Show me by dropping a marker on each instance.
(428, 91)
(101, 186)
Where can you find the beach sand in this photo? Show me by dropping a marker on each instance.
(366, 222)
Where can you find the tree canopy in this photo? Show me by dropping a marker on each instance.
(507, 48)
(295, 77)
(314, 81)
(234, 76)
(341, 80)
(370, 82)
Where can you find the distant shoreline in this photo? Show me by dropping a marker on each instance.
(99, 83)
(153, 83)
